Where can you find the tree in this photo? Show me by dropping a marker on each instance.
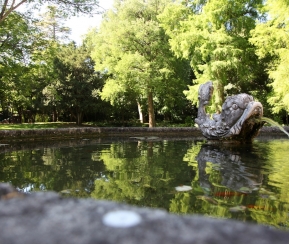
(76, 80)
(132, 46)
(69, 7)
(271, 39)
(53, 32)
(19, 39)
(52, 25)
(214, 37)
(28, 47)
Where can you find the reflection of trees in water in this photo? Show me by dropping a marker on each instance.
(69, 169)
(19, 168)
(239, 182)
(145, 174)
(224, 179)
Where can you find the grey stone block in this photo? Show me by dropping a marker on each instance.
(47, 218)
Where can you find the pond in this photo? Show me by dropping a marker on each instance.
(185, 176)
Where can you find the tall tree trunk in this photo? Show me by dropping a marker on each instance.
(219, 97)
(152, 122)
(79, 117)
(20, 113)
(54, 114)
(140, 113)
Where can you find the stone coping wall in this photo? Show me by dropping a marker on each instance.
(89, 132)
(93, 132)
(46, 217)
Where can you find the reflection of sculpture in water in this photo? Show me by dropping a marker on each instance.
(238, 120)
(234, 166)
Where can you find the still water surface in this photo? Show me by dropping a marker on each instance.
(249, 183)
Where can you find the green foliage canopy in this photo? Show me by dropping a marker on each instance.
(214, 35)
(19, 43)
(272, 40)
(76, 80)
(27, 51)
(133, 47)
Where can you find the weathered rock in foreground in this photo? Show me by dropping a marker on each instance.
(47, 218)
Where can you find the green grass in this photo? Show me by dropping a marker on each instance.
(37, 126)
(55, 125)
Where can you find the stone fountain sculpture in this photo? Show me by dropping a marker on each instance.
(239, 120)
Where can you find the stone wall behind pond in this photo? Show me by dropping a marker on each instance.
(93, 132)
(89, 132)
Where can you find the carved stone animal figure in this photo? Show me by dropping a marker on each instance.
(238, 120)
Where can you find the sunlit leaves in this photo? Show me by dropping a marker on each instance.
(132, 46)
(18, 70)
(213, 35)
(280, 84)
(271, 38)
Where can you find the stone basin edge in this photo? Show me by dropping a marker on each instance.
(46, 217)
(8, 136)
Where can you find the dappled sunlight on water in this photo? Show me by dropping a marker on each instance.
(248, 183)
